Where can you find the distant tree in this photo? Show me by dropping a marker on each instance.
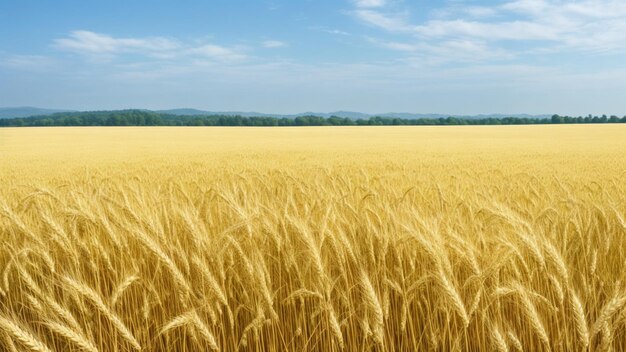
(557, 119)
(148, 118)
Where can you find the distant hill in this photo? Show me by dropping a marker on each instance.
(7, 113)
(182, 112)
(345, 114)
(14, 112)
(196, 112)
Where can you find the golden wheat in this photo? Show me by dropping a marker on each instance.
(25, 338)
(313, 239)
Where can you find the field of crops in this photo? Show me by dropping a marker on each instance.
(313, 239)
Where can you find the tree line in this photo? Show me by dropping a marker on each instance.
(150, 118)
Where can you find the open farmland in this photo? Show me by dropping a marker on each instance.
(324, 239)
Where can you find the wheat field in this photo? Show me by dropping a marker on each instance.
(493, 238)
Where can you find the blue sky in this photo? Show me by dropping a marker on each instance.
(279, 56)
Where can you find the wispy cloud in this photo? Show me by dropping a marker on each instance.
(393, 22)
(96, 43)
(103, 46)
(538, 25)
(27, 62)
(271, 44)
(333, 31)
(336, 32)
(453, 50)
(217, 52)
(370, 3)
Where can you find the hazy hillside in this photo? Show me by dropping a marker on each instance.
(16, 112)
(344, 114)
(6, 113)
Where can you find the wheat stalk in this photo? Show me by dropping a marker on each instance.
(373, 304)
(97, 301)
(79, 340)
(205, 332)
(533, 317)
(580, 319)
(607, 312)
(453, 297)
(119, 290)
(498, 340)
(24, 337)
(515, 341)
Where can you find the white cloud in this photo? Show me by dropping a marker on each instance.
(428, 54)
(389, 22)
(337, 32)
(103, 46)
(587, 25)
(537, 25)
(270, 44)
(333, 31)
(217, 52)
(28, 62)
(463, 10)
(480, 11)
(514, 30)
(369, 3)
(96, 43)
